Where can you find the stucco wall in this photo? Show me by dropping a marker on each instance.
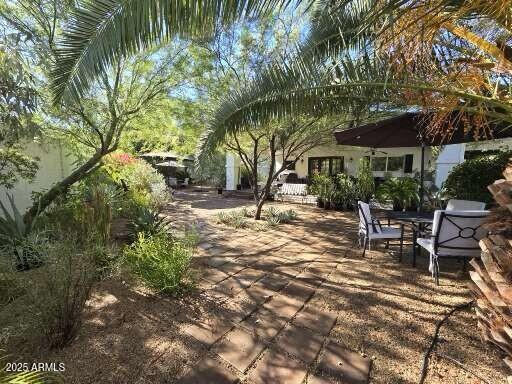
(352, 155)
(54, 165)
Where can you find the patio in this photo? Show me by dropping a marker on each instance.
(292, 305)
(300, 305)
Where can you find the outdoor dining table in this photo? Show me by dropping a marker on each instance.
(418, 222)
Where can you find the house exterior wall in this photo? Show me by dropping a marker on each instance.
(449, 157)
(232, 171)
(352, 155)
(54, 165)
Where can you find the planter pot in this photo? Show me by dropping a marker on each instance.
(327, 205)
(219, 191)
(320, 203)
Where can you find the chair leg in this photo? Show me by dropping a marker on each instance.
(414, 237)
(436, 271)
(366, 241)
(401, 247)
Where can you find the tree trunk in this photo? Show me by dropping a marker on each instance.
(259, 208)
(491, 283)
(270, 178)
(61, 187)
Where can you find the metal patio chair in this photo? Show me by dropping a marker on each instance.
(455, 234)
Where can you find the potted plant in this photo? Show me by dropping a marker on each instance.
(401, 191)
(315, 188)
(364, 183)
(344, 193)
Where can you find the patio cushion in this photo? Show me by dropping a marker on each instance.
(464, 205)
(386, 233)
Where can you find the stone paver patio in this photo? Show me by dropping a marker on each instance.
(298, 305)
(260, 327)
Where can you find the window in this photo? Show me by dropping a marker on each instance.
(395, 164)
(379, 164)
(325, 165)
(392, 163)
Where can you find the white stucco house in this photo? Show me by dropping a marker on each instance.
(397, 162)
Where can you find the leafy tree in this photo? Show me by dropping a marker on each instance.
(15, 165)
(18, 101)
(98, 120)
(94, 123)
(275, 146)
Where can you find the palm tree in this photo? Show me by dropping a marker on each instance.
(360, 56)
(101, 32)
(369, 55)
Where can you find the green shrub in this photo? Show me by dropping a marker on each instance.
(401, 191)
(469, 180)
(161, 261)
(144, 184)
(345, 191)
(273, 221)
(365, 184)
(271, 212)
(235, 219)
(322, 186)
(247, 212)
(286, 216)
(54, 295)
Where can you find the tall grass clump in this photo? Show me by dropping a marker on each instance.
(51, 298)
(162, 261)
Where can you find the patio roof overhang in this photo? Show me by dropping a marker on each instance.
(409, 130)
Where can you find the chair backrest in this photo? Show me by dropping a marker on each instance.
(457, 233)
(366, 224)
(464, 205)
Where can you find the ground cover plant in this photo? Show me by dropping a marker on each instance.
(244, 218)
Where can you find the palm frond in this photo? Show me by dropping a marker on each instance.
(100, 32)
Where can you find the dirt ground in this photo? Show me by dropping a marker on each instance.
(386, 310)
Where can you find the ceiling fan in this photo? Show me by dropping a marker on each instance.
(373, 151)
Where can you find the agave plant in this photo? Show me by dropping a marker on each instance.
(13, 233)
(12, 226)
(149, 222)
